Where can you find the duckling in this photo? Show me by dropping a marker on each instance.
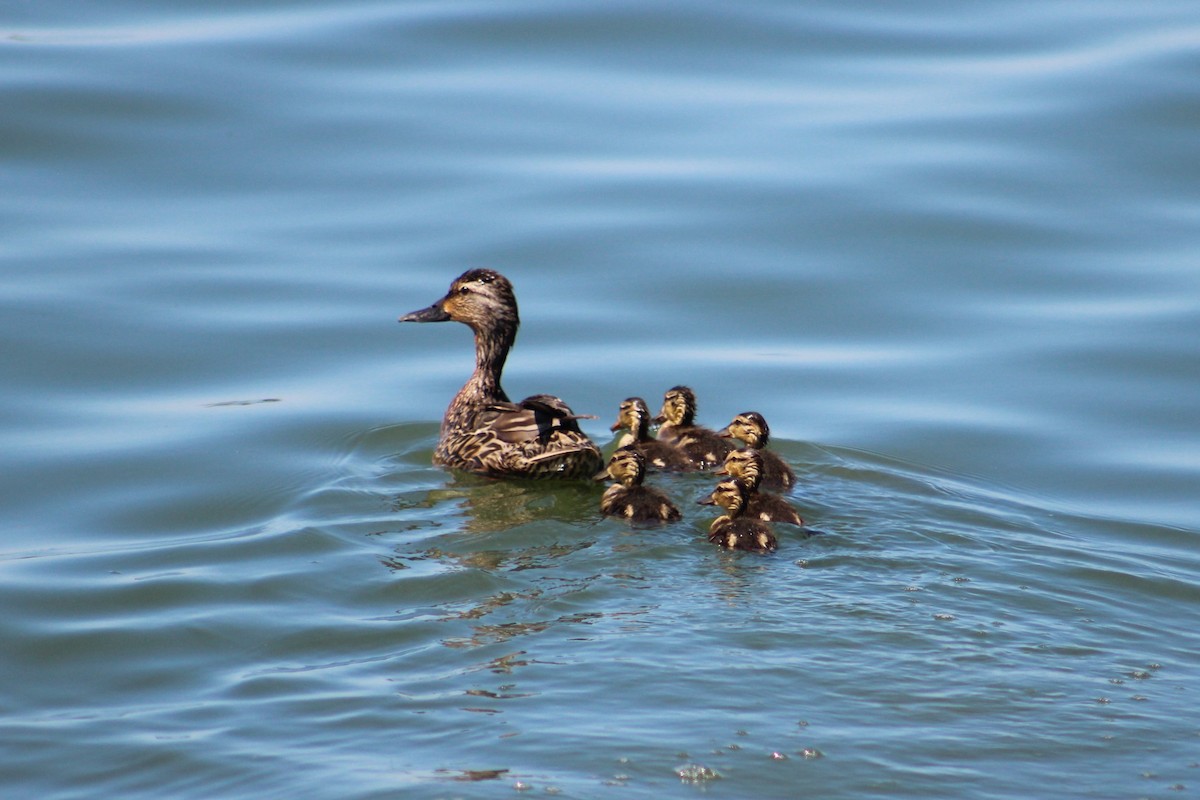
(745, 467)
(483, 431)
(752, 429)
(703, 446)
(734, 530)
(628, 498)
(635, 415)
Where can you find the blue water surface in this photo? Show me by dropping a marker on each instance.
(947, 250)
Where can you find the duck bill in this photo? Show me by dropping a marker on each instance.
(707, 500)
(724, 433)
(659, 420)
(435, 313)
(616, 426)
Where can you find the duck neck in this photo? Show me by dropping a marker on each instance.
(491, 351)
(720, 522)
(751, 480)
(641, 430)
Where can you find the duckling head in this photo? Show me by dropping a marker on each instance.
(639, 418)
(751, 428)
(627, 467)
(480, 298)
(632, 415)
(745, 467)
(729, 495)
(679, 407)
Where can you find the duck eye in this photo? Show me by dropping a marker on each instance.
(464, 290)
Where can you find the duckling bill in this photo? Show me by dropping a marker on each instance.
(482, 430)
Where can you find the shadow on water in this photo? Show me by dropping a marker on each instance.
(493, 505)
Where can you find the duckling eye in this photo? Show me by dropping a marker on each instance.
(464, 290)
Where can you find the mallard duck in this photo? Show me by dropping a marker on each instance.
(628, 497)
(703, 446)
(752, 429)
(745, 467)
(483, 431)
(735, 530)
(634, 415)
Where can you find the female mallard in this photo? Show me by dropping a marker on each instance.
(703, 446)
(735, 530)
(635, 416)
(483, 431)
(628, 498)
(745, 467)
(752, 429)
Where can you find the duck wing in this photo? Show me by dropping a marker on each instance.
(776, 472)
(660, 455)
(535, 438)
(536, 418)
(772, 508)
(703, 446)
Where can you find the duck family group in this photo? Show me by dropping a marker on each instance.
(486, 433)
(683, 446)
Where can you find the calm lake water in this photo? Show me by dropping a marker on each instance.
(948, 250)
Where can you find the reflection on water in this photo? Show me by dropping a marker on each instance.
(491, 505)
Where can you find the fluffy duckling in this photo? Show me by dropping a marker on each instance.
(634, 415)
(705, 447)
(483, 431)
(745, 467)
(752, 429)
(628, 498)
(734, 530)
